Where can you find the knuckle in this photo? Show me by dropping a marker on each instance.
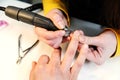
(54, 69)
(40, 69)
(44, 56)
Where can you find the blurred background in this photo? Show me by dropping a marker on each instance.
(31, 1)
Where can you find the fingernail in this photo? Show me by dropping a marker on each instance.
(56, 17)
(61, 25)
(59, 21)
(81, 38)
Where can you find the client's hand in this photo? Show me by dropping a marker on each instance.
(54, 68)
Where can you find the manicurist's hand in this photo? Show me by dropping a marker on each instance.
(53, 68)
(53, 38)
(101, 47)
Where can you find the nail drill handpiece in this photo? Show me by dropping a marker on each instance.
(33, 19)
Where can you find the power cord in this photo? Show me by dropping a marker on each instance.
(34, 7)
(2, 8)
(30, 8)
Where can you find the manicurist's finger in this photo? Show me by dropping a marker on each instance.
(49, 34)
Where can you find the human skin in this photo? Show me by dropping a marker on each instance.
(53, 38)
(105, 44)
(53, 68)
(104, 47)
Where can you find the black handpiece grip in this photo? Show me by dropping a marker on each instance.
(30, 18)
(44, 22)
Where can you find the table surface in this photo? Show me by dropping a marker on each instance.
(9, 70)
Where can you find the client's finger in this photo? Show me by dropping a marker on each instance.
(70, 53)
(55, 57)
(32, 70)
(79, 61)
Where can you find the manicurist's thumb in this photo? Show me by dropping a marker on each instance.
(94, 41)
